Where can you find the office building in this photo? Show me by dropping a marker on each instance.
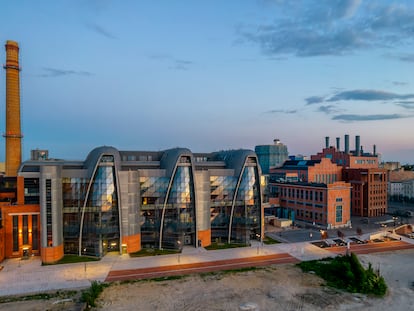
(128, 200)
(271, 156)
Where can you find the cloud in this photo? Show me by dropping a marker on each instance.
(176, 64)
(372, 117)
(329, 109)
(334, 27)
(100, 30)
(314, 100)
(402, 57)
(406, 104)
(399, 83)
(181, 64)
(54, 72)
(368, 95)
(282, 111)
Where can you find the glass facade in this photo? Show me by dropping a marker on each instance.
(247, 214)
(222, 192)
(153, 191)
(74, 192)
(168, 210)
(179, 214)
(246, 218)
(166, 202)
(31, 191)
(100, 232)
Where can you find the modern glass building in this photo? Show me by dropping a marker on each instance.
(271, 156)
(128, 200)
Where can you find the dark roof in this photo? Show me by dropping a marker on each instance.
(299, 164)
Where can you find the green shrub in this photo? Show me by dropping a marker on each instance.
(90, 295)
(346, 272)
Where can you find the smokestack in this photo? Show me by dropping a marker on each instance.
(13, 133)
(374, 150)
(346, 143)
(338, 144)
(327, 142)
(357, 146)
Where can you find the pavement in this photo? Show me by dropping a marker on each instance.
(28, 276)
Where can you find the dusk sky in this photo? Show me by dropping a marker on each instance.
(212, 75)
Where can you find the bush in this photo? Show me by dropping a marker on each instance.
(89, 296)
(346, 272)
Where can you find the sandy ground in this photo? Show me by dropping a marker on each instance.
(279, 287)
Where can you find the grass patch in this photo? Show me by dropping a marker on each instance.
(153, 252)
(90, 295)
(268, 240)
(169, 278)
(40, 296)
(215, 245)
(72, 259)
(230, 271)
(346, 272)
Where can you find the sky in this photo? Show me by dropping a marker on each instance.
(212, 75)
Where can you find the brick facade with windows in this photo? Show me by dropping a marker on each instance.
(324, 205)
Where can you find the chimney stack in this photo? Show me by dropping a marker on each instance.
(13, 133)
(357, 146)
(338, 144)
(327, 142)
(375, 150)
(346, 144)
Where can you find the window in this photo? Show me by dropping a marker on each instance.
(35, 235)
(338, 213)
(15, 233)
(49, 212)
(131, 158)
(338, 199)
(25, 229)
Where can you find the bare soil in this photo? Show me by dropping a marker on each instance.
(278, 287)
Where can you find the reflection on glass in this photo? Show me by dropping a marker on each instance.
(179, 218)
(101, 219)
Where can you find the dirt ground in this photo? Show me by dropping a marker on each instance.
(279, 287)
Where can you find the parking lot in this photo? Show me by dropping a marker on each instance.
(360, 226)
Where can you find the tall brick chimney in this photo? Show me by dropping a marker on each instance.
(13, 133)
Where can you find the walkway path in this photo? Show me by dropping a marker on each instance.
(29, 276)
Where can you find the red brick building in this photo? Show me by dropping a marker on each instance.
(324, 205)
(361, 170)
(363, 182)
(20, 222)
(369, 191)
(311, 191)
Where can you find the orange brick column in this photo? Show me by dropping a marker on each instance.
(13, 133)
(132, 242)
(205, 237)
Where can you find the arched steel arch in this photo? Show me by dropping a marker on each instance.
(92, 162)
(237, 191)
(180, 153)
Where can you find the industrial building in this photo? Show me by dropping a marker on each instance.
(360, 169)
(311, 192)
